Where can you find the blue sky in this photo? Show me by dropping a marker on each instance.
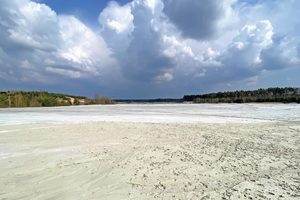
(148, 48)
(87, 11)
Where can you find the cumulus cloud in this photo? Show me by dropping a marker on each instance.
(26, 65)
(82, 49)
(279, 54)
(117, 18)
(240, 60)
(244, 51)
(191, 41)
(176, 47)
(28, 26)
(33, 37)
(189, 45)
(199, 19)
(199, 75)
(164, 77)
(137, 50)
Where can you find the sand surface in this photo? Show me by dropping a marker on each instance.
(126, 160)
(158, 113)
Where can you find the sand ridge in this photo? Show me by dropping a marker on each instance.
(113, 160)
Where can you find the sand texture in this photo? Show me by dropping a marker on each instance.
(157, 113)
(115, 160)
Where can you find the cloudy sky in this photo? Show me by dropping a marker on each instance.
(148, 48)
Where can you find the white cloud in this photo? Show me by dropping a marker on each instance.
(174, 47)
(152, 4)
(157, 43)
(280, 54)
(164, 77)
(35, 32)
(33, 25)
(171, 52)
(210, 55)
(202, 43)
(50, 62)
(64, 72)
(116, 17)
(244, 51)
(85, 50)
(199, 75)
(26, 65)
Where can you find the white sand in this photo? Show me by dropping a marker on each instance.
(158, 113)
(113, 160)
(143, 160)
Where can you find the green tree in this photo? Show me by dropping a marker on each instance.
(76, 101)
(3, 101)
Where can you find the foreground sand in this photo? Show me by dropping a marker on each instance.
(110, 160)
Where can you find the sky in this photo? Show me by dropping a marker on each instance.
(148, 48)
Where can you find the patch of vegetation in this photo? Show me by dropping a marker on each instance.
(45, 99)
(284, 95)
(102, 100)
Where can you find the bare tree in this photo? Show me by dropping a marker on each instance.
(97, 99)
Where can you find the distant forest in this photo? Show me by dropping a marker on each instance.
(46, 99)
(284, 95)
(149, 100)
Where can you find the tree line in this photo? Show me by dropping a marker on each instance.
(284, 95)
(160, 100)
(46, 99)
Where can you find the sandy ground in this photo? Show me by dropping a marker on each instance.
(118, 160)
(166, 113)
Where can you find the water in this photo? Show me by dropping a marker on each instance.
(158, 113)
